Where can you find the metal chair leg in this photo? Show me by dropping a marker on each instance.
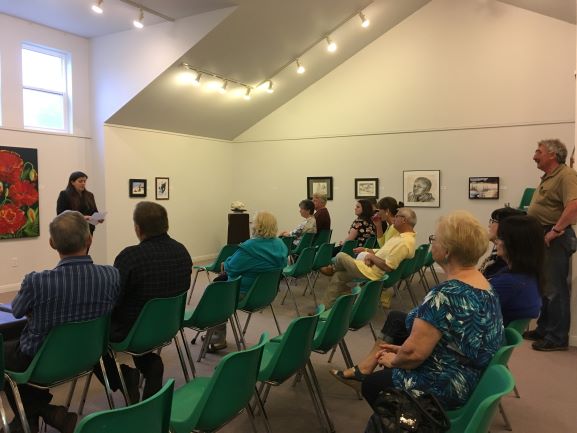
(332, 354)
(516, 391)
(19, 405)
(260, 404)
(505, 418)
(181, 359)
(188, 353)
(275, 319)
(239, 342)
(238, 327)
(316, 393)
(289, 291)
(249, 315)
(205, 344)
(70, 393)
(192, 286)
(3, 415)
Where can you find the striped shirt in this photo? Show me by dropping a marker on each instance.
(75, 290)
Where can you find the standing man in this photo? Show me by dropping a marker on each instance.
(158, 267)
(554, 204)
(322, 216)
(75, 290)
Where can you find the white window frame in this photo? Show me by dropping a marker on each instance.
(66, 93)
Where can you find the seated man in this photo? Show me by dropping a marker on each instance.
(158, 267)
(322, 216)
(75, 290)
(374, 264)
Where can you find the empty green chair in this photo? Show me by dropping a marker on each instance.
(526, 198)
(301, 268)
(322, 237)
(216, 307)
(479, 410)
(207, 403)
(226, 251)
(151, 416)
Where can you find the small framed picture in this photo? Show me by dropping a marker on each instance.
(483, 188)
(320, 185)
(367, 188)
(421, 188)
(162, 188)
(137, 187)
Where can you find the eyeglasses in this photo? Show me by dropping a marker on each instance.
(400, 216)
(492, 220)
(432, 238)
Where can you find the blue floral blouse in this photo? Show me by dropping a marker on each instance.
(471, 325)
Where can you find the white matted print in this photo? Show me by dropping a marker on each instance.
(162, 188)
(421, 188)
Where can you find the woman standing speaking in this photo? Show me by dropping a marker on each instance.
(76, 197)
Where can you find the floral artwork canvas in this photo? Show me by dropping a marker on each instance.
(19, 216)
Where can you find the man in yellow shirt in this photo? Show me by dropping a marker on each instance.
(375, 263)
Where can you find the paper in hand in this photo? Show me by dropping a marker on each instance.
(97, 217)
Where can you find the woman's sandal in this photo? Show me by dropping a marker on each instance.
(354, 382)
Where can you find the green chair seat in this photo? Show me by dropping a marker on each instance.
(526, 198)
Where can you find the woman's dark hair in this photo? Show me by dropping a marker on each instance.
(307, 205)
(505, 212)
(78, 200)
(390, 204)
(367, 210)
(524, 245)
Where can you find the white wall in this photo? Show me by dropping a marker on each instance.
(58, 154)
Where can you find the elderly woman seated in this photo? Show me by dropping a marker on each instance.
(443, 345)
(309, 225)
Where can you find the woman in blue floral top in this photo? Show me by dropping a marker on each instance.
(452, 335)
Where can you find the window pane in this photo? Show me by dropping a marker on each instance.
(42, 71)
(43, 110)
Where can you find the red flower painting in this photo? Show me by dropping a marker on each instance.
(18, 193)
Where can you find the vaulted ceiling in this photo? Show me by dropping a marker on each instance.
(258, 41)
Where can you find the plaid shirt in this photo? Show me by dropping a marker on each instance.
(158, 267)
(75, 290)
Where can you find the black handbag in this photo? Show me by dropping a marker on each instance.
(399, 411)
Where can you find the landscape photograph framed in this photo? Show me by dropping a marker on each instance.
(137, 187)
(484, 188)
(320, 185)
(367, 188)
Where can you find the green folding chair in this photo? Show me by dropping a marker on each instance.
(479, 410)
(157, 326)
(288, 354)
(302, 267)
(288, 241)
(70, 351)
(207, 403)
(305, 241)
(151, 416)
(348, 247)
(411, 267)
(226, 251)
(430, 264)
(216, 307)
(323, 258)
(526, 198)
(322, 237)
(260, 295)
(370, 242)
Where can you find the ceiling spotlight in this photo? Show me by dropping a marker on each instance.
(247, 94)
(97, 7)
(300, 68)
(331, 46)
(364, 20)
(138, 23)
(222, 89)
(269, 88)
(196, 80)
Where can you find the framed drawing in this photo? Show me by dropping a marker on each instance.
(320, 185)
(162, 188)
(367, 188)
(137, 187)
(421, 188)
(483, 188)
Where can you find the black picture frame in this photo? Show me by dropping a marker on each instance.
(320, 184)
(162, 188)
(137, 188)
(366, 187)
(422, 188)
(484, 188)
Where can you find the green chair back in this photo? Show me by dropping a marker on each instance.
(323, 256)
(519, 325)
(331, 331)
(477, 414)
(367, 304)
(348, 247)
(421, 254)
(371, 242)
(69, 350)
(408, 267)
(217, 304)
(429, 259)
(262, 291)
(303, 265)
(306, 241)
(205, 404)
(526, 198)
(286, 354)
(225, 252)
(288, 241)
(512, 339)
(322, 237)
(146, 333)
(395, 276)
(151, 416)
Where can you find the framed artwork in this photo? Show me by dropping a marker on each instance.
(320, 185)
(162, 189)
(137, 187)
(19, 214)
(367, 188)
(421, 188)
(483, 188)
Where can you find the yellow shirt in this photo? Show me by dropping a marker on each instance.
(396, 250)
(389, 233)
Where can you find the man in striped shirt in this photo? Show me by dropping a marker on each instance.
(75, 290)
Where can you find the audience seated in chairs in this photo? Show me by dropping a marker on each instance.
(309, 225)
(430, 349)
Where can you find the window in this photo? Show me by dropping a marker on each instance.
(45, 88)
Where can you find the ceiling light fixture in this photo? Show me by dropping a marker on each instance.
(97, 7)
(138, 23)
(364, 20)
(247, 94)
(222, 89)
(331, 45)
(300, 68)
(196, 80)
(269, 88)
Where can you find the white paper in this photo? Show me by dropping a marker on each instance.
(97, 217)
